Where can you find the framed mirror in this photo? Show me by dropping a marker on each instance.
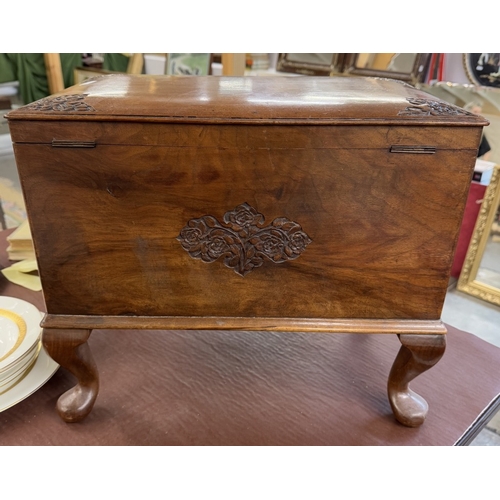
(400, 66)
(480, 274)
(310, 64)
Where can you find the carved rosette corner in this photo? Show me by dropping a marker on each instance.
(63, 103)
(242, 239)
(428, 107)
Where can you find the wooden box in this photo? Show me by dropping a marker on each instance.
(261, 203)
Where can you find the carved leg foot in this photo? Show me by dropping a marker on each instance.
(417, 354)
(69, 348)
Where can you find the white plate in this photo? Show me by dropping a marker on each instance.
(20, 364)
(9, 334)
(40, 373)
(16, 311)
(8, 380)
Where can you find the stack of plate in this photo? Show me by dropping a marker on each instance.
(19, 340)
(20, 350)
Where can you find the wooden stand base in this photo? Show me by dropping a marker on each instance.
(70, 349)
(418, 353)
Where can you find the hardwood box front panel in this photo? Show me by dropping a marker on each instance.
(382, 226)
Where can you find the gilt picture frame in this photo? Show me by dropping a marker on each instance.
(469, 281)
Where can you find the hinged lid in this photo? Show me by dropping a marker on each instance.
(268, 99)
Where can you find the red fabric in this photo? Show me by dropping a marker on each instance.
(476, 194)
(441, 66)
(432, 66)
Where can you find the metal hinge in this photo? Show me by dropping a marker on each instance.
(59, 143)
(429, 150)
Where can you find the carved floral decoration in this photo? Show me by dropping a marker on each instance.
(67, 102)
(428, 107)
(242, 240)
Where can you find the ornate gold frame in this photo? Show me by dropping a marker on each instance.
(467, 282)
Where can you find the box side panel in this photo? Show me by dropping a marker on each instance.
(106, 224)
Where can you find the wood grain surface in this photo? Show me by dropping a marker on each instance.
(149, 98)
(140, 157)
(383, 228)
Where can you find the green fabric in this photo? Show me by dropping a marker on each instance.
(68, 63)
(115, 62)
(7, 72)
(29, 70)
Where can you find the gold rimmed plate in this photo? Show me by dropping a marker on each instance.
(34, 378)
(9, 382)
(19, 330)
(24, 364)
(8, 376)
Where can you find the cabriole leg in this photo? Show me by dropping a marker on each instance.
(69, 348)
(418, 353)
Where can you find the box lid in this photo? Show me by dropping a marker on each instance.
(267, 99)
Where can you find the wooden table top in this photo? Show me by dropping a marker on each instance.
(256, 388)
